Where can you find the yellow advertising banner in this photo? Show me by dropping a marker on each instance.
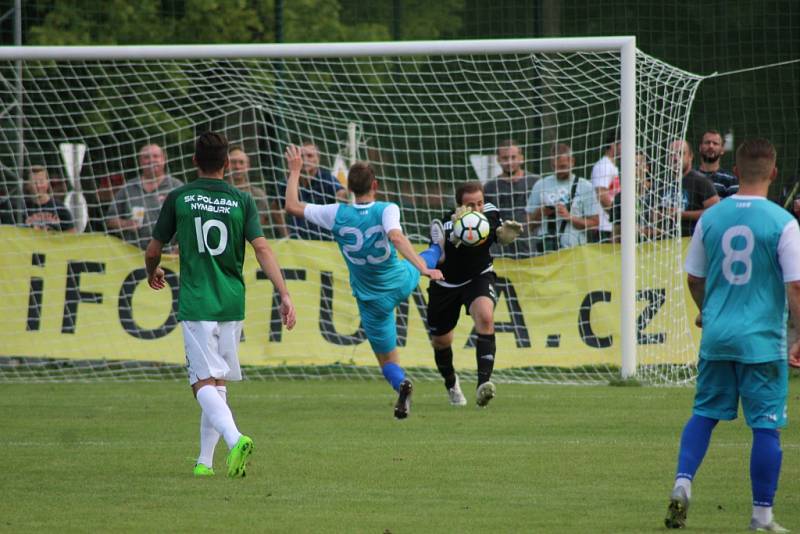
(86, 297)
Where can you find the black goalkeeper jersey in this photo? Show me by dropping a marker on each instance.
(463, 263)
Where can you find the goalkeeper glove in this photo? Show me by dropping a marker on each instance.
(460, 210)
(508, 232)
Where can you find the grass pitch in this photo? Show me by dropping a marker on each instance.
(329, 457)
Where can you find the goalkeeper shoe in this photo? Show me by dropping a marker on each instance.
(485, 393)
(237, 458)
(437, 234)
(403, 404)
(772, 526)
(678, 506)
(201, 470)
(457, 397)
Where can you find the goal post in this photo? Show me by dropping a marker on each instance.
(423, 107)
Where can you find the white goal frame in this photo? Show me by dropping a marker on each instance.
(624, 45)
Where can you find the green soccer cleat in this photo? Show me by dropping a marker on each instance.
(201, 470)
(237, 458)
(678, 506)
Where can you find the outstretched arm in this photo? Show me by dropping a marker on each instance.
(269, 264)
(401, 243)
(294, 161)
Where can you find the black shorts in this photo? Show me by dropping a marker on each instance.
(444, 303)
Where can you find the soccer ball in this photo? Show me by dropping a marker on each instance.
(472, 228)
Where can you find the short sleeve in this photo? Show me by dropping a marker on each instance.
(118, 208)
(696, 263)
(602, 174)
(535, 198)
(789, 252)
(164, 229)
(323, 215)
(708, 189)
(390, 218)
(252, 222)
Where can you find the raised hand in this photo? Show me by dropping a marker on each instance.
(294, 159)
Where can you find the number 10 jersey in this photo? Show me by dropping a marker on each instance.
(212, 220)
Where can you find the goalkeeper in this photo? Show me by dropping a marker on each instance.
(469, 281)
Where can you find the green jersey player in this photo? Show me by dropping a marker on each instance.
(211, 220)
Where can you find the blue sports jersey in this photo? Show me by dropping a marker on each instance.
(375, 269)
(744, 311)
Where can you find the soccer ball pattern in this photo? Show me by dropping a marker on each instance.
(472, 228)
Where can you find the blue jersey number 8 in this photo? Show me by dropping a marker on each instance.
(733, 255)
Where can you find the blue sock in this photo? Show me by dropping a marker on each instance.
(393, 374)
(694, 444)
(765, 465)
(431, 255)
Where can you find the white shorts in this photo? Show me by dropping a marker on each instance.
(212, 349)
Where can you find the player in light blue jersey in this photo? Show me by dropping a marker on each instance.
(743, 261)
(368, 233)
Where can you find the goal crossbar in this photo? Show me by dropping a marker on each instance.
(317, 50)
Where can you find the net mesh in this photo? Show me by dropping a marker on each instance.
(76, 304)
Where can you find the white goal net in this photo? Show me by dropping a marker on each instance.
(78, 135)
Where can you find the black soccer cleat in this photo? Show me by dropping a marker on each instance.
(678, 506)
(403, 405)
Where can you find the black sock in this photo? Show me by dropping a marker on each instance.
(484, 354)
(444, 362)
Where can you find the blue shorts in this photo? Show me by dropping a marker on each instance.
(763, 388)
(377, 316)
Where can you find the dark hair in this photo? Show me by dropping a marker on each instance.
(507, 143)
(561, 149)
(711, 131)
(360, 178)
(609, 140)
(211, 152)
(467, 187)
(755, 159)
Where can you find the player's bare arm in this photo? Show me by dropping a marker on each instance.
(294, 162)
(152, 257)
(793, 296)
(401, 243)
(269, 264)
(697, 287)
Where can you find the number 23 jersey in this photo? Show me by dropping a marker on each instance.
(212, 220)
(361, 231)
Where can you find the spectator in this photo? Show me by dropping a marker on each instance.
(605, 181)
(42, 210)
(105, 191)
(697, 192)
(712, 149)
(509, 193)
(238, 177)
(646, 216)
(135, 209)
(317, 186)
(562, 207)
(9, 212)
